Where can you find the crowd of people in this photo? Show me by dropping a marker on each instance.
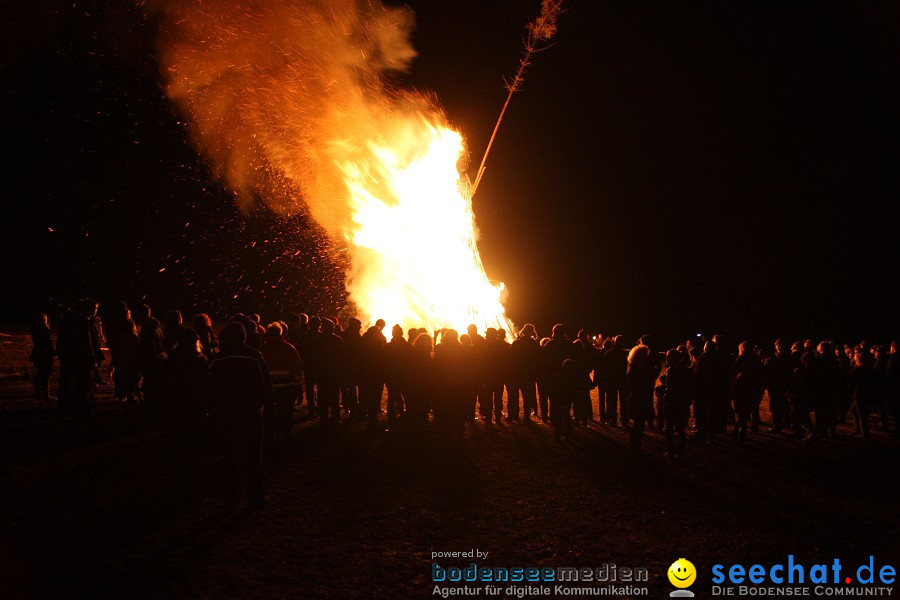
(247, 381)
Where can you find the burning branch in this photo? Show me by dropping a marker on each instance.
(540, 32)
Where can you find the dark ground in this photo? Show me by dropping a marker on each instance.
(352, 514)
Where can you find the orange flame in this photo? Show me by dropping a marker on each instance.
(288, 101)
(413, 234)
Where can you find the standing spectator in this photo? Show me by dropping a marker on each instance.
(209, 345)
(641, 379)
(77, 360)
(151, 345)
(746, 390)
(286, 371)
(371, 372)
(584, 363)
(397, 364)
(353, 356)
(493, 363)
(421, 382)
(893, 387)
(451, 392)
(606, 403)
(710, 373)
(125, 353)
(184, 377)
(676, 401)
(42, 354)
(308, 348)
(477, 371)
(97, 341)
(506, 371)
(332, 361)
(777, 374)
(564, 391)
(616, 359)
(863, 387)
(172, 328)
(544, 382)
(524, 363)
(880, 360)
(239, 389)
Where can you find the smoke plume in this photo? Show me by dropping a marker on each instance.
(277, 92)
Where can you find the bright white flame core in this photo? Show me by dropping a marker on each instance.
(413, 235)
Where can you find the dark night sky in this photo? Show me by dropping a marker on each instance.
(668, 167)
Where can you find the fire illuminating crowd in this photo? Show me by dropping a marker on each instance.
(246, 382)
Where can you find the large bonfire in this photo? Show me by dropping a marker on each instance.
(290, 102)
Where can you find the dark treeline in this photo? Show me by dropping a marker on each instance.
(243, 383)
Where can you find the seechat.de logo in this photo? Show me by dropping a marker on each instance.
(681, 575)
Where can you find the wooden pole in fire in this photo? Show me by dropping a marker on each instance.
(540, 32)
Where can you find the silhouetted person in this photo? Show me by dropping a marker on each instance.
(676, 401)
(150, 337)
(332, 365)
(308, 342)
(77, 360)
(125, 354)
(544, 382)
(240, 389)
(173, 325)
(472, 379)
(209, 345)
(450, 399)
(641, 379)
(777, 375)
(844, 356)
(397, 355)
(554, 352)
(184, 380)
(42, 355)
(98, 339)
(584, 364)
(703, 390)
(746, 390)
(892, 374)
(720, 407)
(563, 391)
(616, 360)
(353, 356)
(559, 348)
(371, 378)
(493, 365)
(421, 385)
(592, 355)
(477, 371)
(286, 371)
(524, 363)
(255, 331)
(880, 404)
(505, 368)
(804, 356)
(297, 325)
(607, 403)
(656, 361)
(863, 388)
(824, 389)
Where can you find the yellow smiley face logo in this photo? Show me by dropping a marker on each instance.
(682, 573)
